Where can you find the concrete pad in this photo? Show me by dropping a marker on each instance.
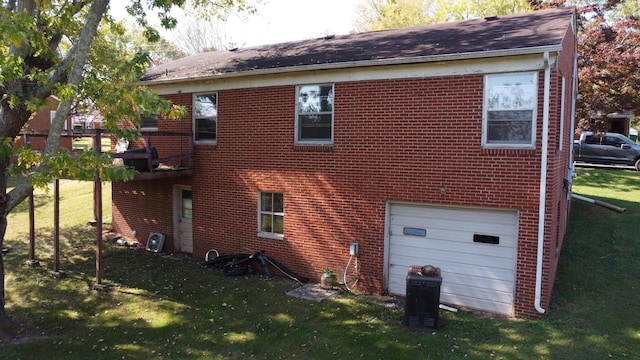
(313, 292)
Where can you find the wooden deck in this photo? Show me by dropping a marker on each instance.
(145, 160)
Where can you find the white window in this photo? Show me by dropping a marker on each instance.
(205, 117)
(271, 215)
(510, 102)
(314, 114)
(52, 115)
(149, 122)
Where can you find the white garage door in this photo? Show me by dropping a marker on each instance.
(475, 250)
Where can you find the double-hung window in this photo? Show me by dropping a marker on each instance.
(205, 117)
(149, 122)
(509, 116)
(271, 215)
(314, 114)
(52, 115)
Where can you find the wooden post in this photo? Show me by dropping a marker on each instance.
(147, 138)
(32, 228)
(97, 193)
(56, 226)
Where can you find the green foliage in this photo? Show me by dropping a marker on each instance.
(608, 66)
(56, 48)
(85, 165)
(26, 159)
(6, 148)
(390, 14)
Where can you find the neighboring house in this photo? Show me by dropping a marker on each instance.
(445, 145)
(35, 130)
(615, 122)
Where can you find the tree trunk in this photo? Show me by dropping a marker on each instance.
(80, 53)
(4, 319)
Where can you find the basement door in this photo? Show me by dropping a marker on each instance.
(475, 249)
(183, 224)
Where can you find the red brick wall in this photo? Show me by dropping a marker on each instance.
(41, 122)
(414, 140)
(146, 207)
(558, 204)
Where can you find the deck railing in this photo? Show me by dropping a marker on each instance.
(144, 159)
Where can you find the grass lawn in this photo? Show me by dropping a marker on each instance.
(84, 143)
(173, 308)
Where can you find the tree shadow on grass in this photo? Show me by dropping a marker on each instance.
(156, 305)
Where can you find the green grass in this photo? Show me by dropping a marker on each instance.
(163, 307)
(85, 143)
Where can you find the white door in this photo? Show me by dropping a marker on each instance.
(475, 250)
(183, 210)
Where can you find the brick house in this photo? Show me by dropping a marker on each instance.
(445, 145)
(35, 130)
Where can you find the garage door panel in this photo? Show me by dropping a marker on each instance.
(498, 280)
(439, 215)
(443, 256)
(447, 223)
(434, 227)
(475, 274)
(452, 291)
(484, 272)
(452, 237)
(477, 303)
(409, 246)
(456, 232)
(478, 285)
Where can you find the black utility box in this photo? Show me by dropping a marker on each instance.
(422, 305)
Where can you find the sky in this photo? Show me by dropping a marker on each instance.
(289, 20)
(281, 21)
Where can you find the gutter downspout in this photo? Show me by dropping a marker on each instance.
(572, 168)
(543, 181)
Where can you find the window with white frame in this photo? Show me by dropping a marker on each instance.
(314, 114)
(271, 215)
(205, 117)
(510, 110)
(149, 122)
(52, 115)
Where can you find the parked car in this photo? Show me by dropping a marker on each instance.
(607, 149)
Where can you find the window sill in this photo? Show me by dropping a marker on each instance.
(328, 148)
(270, 236)
(509, 151)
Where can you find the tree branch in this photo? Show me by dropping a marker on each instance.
(82, 47)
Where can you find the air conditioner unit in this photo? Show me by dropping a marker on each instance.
(422, 304)
(155, 242)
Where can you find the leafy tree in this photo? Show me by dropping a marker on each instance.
(60, 48)
(200, 35)
(390, 14)
(609, 65)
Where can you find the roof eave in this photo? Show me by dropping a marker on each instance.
(366, 63)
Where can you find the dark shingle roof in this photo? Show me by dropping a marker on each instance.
(476, 38)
